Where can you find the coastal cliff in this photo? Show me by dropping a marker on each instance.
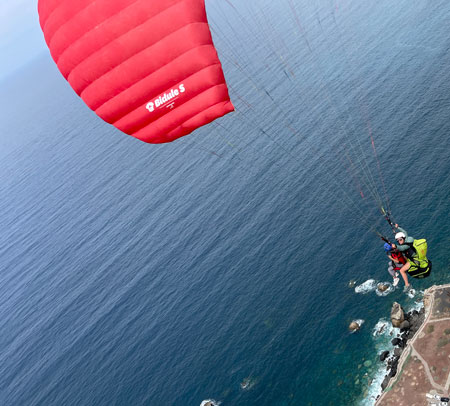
(420, 364)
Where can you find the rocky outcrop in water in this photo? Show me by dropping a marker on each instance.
(354, 326)
(397, 315)
(384, 355)
(382, 287)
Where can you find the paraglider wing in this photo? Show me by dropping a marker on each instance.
(149, 67)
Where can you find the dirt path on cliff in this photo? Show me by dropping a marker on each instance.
(424, 365)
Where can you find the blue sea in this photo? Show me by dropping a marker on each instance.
(218, 266)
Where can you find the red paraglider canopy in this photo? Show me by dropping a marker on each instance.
(149, 67)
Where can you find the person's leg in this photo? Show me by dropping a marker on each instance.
(395, 276)
(403, 271)
(391, 271)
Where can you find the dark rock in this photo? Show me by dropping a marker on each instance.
(396, 341)
(414, 319)
(392, 372)
(404, 325)
(398, 352)
(384, 355)
(385, 382)
(392, 361)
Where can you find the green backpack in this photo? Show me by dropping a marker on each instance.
(420, 265)
(421, 248)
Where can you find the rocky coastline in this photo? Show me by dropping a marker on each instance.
(408, 323)
(418, 367)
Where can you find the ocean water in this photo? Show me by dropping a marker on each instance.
(136, 274)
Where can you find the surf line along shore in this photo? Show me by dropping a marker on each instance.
(424, 365)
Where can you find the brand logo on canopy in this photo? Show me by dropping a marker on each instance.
(165, 98)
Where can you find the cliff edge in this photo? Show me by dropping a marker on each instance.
(424, 364)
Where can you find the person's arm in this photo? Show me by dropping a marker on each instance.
(401, 248)
(402, 230)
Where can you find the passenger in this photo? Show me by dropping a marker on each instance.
(397, 260)
(405, 246)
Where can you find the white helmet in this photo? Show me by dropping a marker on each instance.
(400, 235)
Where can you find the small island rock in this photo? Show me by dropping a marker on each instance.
(354, 326)
(382, 287)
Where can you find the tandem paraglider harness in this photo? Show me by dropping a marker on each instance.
(417, 257)
(416, 254)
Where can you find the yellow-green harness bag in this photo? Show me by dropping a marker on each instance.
(420, 264)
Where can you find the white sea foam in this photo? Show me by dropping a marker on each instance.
(418, 302)
(366, 287)
(248, 383)
(411, 294)
(382, 333)
(374, 389)
(209, 402)
(381, 327)
(371, 285)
